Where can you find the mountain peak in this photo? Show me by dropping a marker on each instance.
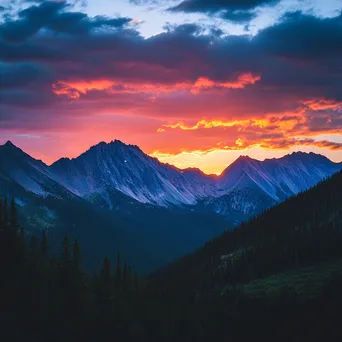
(117, 141)
(114, 165)
(120, 143)
(307, 156)
(242, 160)
(238, 164)
(245, 157)
(116, 144)
(9, 144)
(301, 153)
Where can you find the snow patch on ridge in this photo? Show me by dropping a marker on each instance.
(246, 186)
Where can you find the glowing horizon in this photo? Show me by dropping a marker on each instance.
(202, 160)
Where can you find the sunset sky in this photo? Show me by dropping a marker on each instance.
(195, 83)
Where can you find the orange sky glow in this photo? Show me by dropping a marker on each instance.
(191, 89)
(223, 133)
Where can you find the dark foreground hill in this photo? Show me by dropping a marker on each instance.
(302, 231)
(275, 278)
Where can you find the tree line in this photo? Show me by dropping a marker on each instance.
(49, 297)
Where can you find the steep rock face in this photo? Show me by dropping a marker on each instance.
(115, 175)
(239, 204)
(27, 174)
(116, 166)
(278, 178)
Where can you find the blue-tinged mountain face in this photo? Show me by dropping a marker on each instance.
(29, 176)
(106, 170)
(277, 178)
(116, 198)
(147, 236)
(116, 166)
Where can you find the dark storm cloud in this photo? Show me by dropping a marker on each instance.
(238, 17)
(52, 15)
(82, 3)
(30, 21)
(297, 39)
(29, 52)
(21, 75)
(297, 59)
(24, 98)
(237, 11)
(211, 6)
(303, 37)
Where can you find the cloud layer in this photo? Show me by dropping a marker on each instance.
(188, 88)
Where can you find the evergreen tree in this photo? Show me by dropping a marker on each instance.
(125, 277)
(22, 235)
(22, 240)
(33, 246)
(13, 221)
(106, 286)
(118, 274)
(65, 260)
(129, 278)
(1, 216)
(5, 216)
(76, 256)
(76, 296)
(136, 283)
(43, 244)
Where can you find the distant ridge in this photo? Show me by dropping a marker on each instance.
(245, 187)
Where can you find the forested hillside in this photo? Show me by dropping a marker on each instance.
(304, 230)
(275, 278)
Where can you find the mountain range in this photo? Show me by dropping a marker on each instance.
(108, 168)
(126, 193)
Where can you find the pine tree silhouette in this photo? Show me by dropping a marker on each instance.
(13, 222)
(118, 275)
(43, 244)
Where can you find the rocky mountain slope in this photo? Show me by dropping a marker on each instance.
(108, 174)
